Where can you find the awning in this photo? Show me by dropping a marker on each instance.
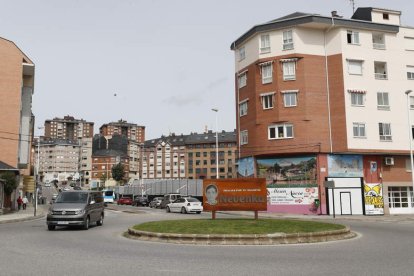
(267, 94)
(288, 59)
(242, 72)
(266, 63)
(289, 91)
(357, 91)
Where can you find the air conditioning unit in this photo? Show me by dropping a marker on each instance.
(389, 161)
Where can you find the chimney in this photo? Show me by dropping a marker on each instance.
(334, 13)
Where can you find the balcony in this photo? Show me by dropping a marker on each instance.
(380, 69)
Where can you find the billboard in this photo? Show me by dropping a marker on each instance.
(374, 201)
(287, 171)
(247, 194)
(292, 196)
(246, 167)
(345, 166)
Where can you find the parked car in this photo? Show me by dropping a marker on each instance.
(155, 202)
(47, 184)
(124, 200)
(140, 200)
(168, 198)
(185, 205)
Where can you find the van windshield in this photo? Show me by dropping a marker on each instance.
(66, 197)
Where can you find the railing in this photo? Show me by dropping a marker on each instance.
(380, 46)
(380, 76)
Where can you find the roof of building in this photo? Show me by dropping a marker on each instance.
(60, 142)
(299, 18)
(68, 119)
(121, 123)
(6, 167)
(26, 59)
(208, 137)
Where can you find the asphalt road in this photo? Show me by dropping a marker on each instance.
(28, 248)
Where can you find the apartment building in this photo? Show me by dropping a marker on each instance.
(190, 156)
(103, 161)
(57, 159)
(322, 111)
(68, 128)
(85, 160)
(17, 73)
(132, 131)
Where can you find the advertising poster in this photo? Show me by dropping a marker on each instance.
(292, 196)
(291, 171)
(243, 194)
(345, 166)
(246, 167)
(374, 201)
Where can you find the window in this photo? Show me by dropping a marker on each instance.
(355, 67)
(243, 108)
(267, 100)
(289, 98)
(267, 73)
(264, 44)
(359, 130)
(411, 102)
(385, 16)
(244, 137)
(382, 101)
(280, 131)
(289, 72)
(287, 40)
(400, 197)
(357, 99)
(410, 72)
(243, 79)
(352, 37)
(380, 69)
(242, 53)
(378, 41)
(385, 131)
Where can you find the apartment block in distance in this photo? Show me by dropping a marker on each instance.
(322, 104)
(133, 132)
(190, 156)
(68, 128)
(17, 73)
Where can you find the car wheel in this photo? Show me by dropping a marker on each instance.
(51, 227)
(100, 221)
(183, 210)
(86, 224)
(168, 209)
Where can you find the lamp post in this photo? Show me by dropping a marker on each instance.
(217, 157)
(37, 178)
(410, 137)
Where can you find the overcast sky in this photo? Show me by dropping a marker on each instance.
(162, 64)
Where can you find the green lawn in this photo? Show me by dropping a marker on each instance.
(236, 226)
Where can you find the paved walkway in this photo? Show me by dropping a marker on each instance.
(23, 215)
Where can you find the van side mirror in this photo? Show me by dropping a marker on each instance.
(92, 202)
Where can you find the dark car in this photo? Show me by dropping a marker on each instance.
(140, 200)
(124, 200)
(155, 202)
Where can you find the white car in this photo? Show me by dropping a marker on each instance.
(185, 205)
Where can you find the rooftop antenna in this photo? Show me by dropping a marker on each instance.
(353, 5)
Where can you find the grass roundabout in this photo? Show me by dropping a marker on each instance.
(236, 226)
(239, 231)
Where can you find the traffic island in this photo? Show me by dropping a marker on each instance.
(239, 232)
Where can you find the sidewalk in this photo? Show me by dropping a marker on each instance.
(24, 215)
(381, 218)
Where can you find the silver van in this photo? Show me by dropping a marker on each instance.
(76, 208)
(168, 198)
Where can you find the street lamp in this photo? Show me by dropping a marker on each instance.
(410, 137)
(37, 178)
(217, 157)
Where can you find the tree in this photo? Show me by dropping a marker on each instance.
(118, 172)
(10, 183)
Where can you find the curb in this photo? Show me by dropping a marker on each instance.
(23, 219)
(254, 239)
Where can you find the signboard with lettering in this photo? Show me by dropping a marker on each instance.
(374, 201)
(246, 194)
(292, 196)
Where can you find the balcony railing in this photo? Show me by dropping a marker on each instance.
(381, 76)
(380, 46)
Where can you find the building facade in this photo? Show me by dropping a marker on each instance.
(322, 108)
(57, 159)
(68, 128)
(133, 132)
(190, 156)
(17, 73)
